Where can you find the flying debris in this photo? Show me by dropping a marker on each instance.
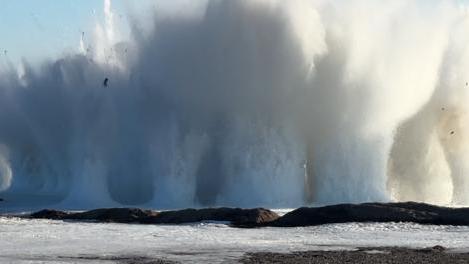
(5, 52)
(442, 109)
(452, 133)
(105, 82)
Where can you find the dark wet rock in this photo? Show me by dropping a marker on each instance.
(236, 216)
(374, 212)
(434, 249)
(343, 213)
(118, 215)
(49, 214)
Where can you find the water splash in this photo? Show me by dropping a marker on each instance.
(262, 102)
(5, 170)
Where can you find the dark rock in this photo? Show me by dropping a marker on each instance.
(118, 215)
(343, 213)
(438, 248)
(374, 212)
(434, 249)
(236, 216)
(49, 214)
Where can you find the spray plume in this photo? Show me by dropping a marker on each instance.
(265, 102)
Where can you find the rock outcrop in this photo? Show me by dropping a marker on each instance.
(236, 216)
(49, 214)
(374, 212)
(342, 213)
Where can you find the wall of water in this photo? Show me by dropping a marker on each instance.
(265, 102)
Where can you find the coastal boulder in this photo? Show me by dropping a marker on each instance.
(117, 215)
(374, 212)
(236, 216)
(49, 214)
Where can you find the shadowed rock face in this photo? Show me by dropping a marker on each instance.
(118, 215)
(343, 213)
(49, 214)
(374, 212)
(236, 216)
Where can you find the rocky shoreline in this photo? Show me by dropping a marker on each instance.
(235, 216)
(419, 213)
(259, 217)
(369, 255)
(434, 255)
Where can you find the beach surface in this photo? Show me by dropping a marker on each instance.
(31, 241)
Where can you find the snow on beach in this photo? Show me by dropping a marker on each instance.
(45, 241)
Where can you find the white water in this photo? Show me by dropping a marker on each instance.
(265, 102)
(42, 241)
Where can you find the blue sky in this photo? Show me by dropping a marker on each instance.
(36, 29)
